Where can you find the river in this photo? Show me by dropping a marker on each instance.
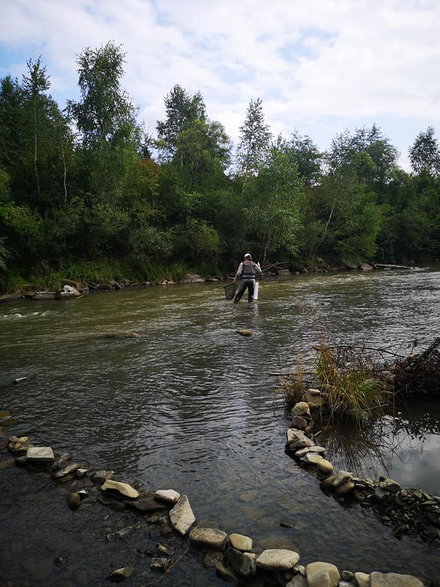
(192, 405)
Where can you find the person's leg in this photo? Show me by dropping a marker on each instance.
(251, 287)
(240, 291)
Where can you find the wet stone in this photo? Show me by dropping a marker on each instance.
(159, 563)
(181, 516)
(121, 488)
(40, 454)
(67, 470)
(209, 537)
(277, 559)
(146, 503)
(241, 542)
(121, 574)
(321, 574)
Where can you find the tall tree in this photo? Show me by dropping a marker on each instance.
(307, 158)
(182, 110)
(424, 154)
(105, 118)
(35, 84)
(254, 141)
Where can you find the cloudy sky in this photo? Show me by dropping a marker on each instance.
(320, 66)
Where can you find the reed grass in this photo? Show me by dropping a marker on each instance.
(352, 387)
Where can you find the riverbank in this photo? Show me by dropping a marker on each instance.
(69, 287)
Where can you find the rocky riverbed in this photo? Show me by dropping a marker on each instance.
(233, 556)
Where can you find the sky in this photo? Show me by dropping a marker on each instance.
(319, 66)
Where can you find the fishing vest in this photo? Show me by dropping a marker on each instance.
(248, 270)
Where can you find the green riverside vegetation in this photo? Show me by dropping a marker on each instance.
(86, 194)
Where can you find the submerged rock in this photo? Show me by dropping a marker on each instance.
(244, 332)
(121, 574)
(393, 580)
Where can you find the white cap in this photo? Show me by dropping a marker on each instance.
(248, 255)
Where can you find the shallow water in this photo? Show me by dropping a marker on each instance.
(192, 405)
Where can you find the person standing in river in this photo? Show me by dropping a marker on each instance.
(246, 272)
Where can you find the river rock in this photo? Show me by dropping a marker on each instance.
(73, 501)
(365, 267)
(70, 468)
(301, 409)
(345, 488)
(210, 537)
(242, 563)
(313, 398)
(160, 563)
(312, 449)
(341, 478)
(123, 488)
(389, 485)
(181, 516)
(393, 580)
(121, 574)
(60, 461)
(240, 542)
(297, 581)
(362, 579)
(277, 559)
(146, 503)
(167, 495)
(17, 445)
(244, 332)
(321, 574)
(297, 439)
(99, 477)
(192, 278)
(299, 422)
(40, 454)
(320, 463)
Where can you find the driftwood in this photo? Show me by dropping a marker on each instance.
(390, 266)
(419, 373)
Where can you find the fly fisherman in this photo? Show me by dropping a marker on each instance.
(246, 272)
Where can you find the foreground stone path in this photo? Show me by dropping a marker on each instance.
(232, 556)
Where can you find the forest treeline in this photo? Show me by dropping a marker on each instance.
(86, 193)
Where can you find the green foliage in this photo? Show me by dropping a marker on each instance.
(80, 185)
(182, 111)
(254, 140)
(197, 242)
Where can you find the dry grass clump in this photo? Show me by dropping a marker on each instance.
(353, 386)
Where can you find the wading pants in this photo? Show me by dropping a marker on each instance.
(248, 284)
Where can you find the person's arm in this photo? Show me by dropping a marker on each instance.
(258, 268)
(239, 271)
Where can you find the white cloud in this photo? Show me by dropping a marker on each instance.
(319, 66)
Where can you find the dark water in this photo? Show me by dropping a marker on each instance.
(191, 405)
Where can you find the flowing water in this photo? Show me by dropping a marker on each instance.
(192, 405)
